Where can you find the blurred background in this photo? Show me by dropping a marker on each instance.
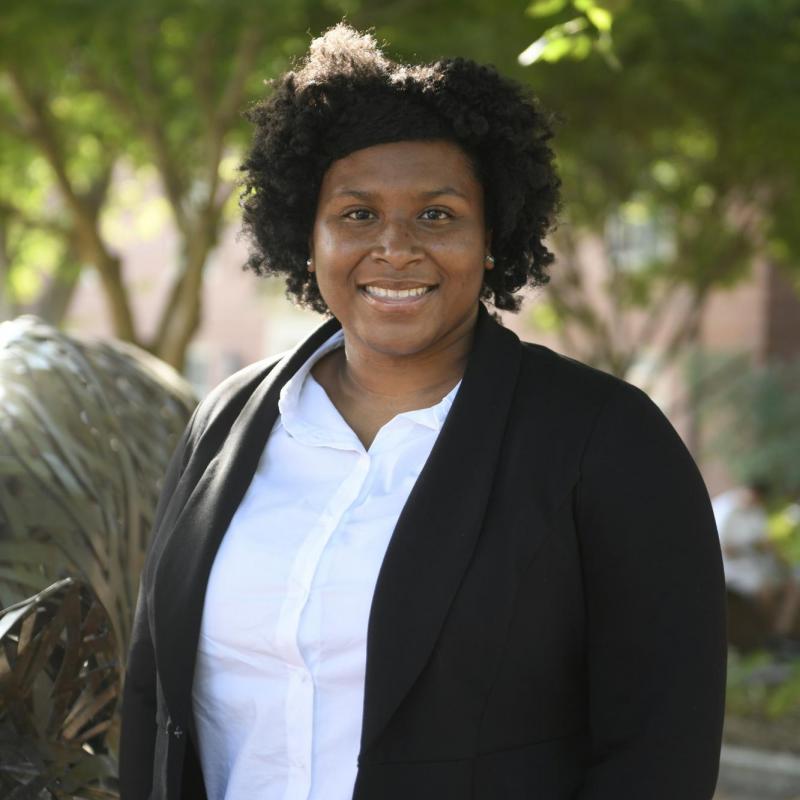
(678, 248)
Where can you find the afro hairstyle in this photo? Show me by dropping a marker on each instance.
(345, 95)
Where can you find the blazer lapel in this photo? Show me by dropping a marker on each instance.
(439, 526)
(182, 570)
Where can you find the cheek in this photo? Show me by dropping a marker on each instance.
(333, 257)
(468, 272)
(463, 249)
(324, 239)
(331, 236)
(330, 285)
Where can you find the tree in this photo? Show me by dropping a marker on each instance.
(753, 418)
(650, 136)
(156, 84)
(679, 120)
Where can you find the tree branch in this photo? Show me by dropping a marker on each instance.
(42, 132)
(153, 131)
(52, 303)
(8, 306)
(684, 331)
(10, 212)
(181, 313)
(229, 105)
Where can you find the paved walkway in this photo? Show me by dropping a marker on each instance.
(747, 774)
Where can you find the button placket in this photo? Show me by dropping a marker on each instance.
(300, 705)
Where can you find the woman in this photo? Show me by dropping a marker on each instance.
(416, 557)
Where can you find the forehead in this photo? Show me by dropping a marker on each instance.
(414, 166)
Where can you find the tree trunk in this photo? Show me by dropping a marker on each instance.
(53, 302)
(182, 312)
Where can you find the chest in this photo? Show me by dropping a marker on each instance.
(293, 578)
(281, 653)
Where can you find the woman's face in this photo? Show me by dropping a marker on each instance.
(399, 246)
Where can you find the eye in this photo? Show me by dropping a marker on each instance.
(359, 214)
(435, 214)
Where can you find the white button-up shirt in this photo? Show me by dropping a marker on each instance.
(279, 683)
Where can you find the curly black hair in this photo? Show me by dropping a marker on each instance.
(346, 95)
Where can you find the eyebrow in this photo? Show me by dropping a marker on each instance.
(364, 195)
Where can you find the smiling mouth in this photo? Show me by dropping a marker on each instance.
(382, 293)
(407, 294)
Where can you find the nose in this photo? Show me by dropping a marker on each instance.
(396, 244)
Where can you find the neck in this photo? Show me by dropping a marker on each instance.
(402, 381)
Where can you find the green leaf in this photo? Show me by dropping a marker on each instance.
(600, 18)
(545, 8)
(556, 49)
(605, 47)
(555, 43)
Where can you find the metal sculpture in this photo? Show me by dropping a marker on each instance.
(59, 683)
(86, 431)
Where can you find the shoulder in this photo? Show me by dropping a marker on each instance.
(220, 407)
(580, 390)
(569, 371)
(620, 433)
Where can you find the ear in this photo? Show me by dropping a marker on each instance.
(488, 264)
(310, 262)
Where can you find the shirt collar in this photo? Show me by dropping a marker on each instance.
(289, 397)
(299, 395)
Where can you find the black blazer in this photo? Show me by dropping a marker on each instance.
(549, 618)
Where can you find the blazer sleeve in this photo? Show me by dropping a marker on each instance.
(655, 604)
(138, 731)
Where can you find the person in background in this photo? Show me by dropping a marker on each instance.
(752, 563)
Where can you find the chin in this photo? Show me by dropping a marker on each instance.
(397, 346)
(396, 349)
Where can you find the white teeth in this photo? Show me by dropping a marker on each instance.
(396, 294)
